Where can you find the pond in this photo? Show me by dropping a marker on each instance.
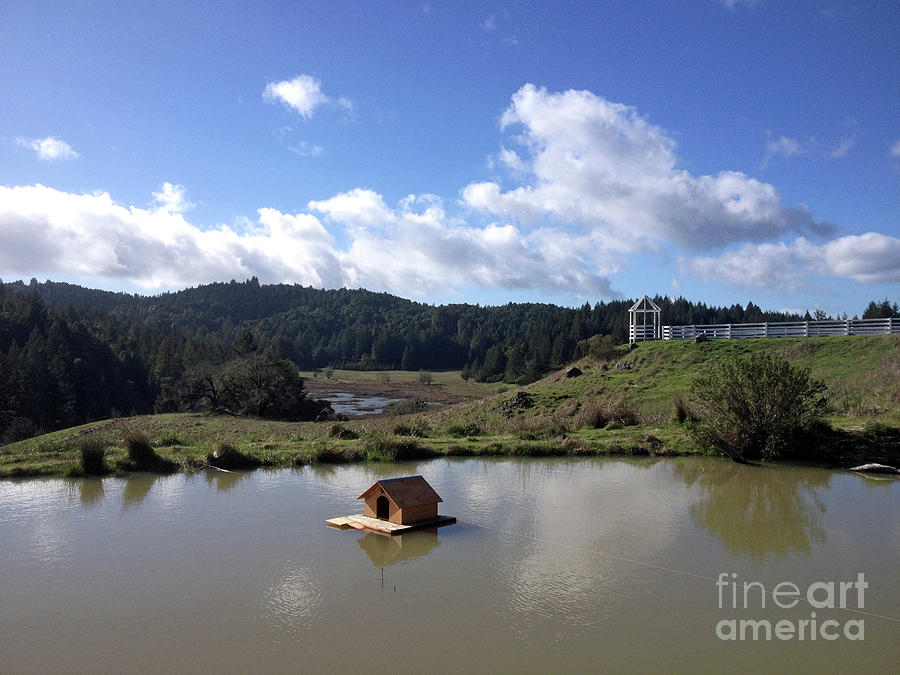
(355, 405)
(589, 564)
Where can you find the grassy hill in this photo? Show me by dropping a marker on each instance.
(627, 404)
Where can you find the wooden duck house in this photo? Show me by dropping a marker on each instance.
(401, 500)
(394, 505)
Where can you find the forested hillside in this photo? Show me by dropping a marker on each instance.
(70, 354)
(360, 329)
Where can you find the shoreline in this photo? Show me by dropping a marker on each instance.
(184, 443)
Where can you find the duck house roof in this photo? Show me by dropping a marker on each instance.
(404, 492)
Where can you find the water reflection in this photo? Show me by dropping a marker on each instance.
(356, 405)
(384, 550)
(224, 481)
(293, 598)
(137, 487)
(90, 490)
(875, 481)
(758, 511)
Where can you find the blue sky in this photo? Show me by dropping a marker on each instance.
(457, 151)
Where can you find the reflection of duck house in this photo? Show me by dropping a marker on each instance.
(397, 505)
(384, 551)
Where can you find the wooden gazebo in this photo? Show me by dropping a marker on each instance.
(643, 321)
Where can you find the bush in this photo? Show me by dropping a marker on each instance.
(606, 414)
(876, 429)
(682, 414)
(169, 439)
(338, 430)
(418, 429)
(757, 404)
(383, 448)
(92, 453)
(407, 407)
(141, 455)
(140, 452)
(329, 455)
(462, 430)
(226, 456)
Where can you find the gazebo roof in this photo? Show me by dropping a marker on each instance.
(645, 304)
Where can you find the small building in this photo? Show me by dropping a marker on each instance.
(403, 501)
(639, 327)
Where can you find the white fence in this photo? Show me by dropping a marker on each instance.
(641, 333)
(780, 329)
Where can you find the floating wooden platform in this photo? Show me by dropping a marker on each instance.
(361, 522)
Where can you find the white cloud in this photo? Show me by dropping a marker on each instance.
(847, 142)
(358, 208)
(895, 149)
(784, 146)
(49, 149)
(865, 258)
(731, 4)
(602, 169)
(303, 94)
(305, 149)
(173, 198)
(591, 183)
(412, 249)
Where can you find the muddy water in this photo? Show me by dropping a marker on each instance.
(554, 565)
(355, 405)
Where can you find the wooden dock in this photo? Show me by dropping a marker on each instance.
(362, 522)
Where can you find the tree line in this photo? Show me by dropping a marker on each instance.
(69, 354)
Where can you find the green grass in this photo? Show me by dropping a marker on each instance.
(605, 411)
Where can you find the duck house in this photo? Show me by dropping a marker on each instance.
(401, 500)
(394, 505)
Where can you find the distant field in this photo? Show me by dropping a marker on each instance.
(609, 409)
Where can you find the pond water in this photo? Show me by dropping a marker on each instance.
(356, 405)
(554, 565)
(353, 404)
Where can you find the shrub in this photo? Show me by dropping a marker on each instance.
(92, 453)
(681, 411)
(140, 452)
(876, 429)
(757, 404)
(169, 439)
(383, 448)
(141, 455)
(591, 415)
(542, 431)
(606, 414)
(329, 455)
(226, 456)
(407, 407)
(424, 378)
(462, 430)
(338, 430)
(418, 429)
